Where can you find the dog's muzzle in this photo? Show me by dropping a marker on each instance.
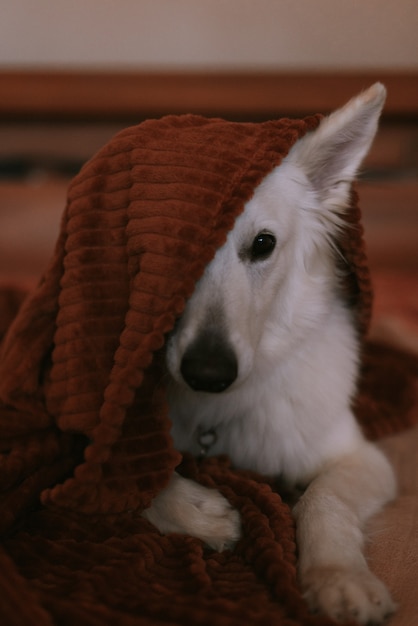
(209, 363)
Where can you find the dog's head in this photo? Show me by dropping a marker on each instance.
(276, 277)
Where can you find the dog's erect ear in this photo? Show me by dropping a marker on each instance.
(331, 155)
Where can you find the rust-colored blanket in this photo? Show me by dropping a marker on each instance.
(84, 429)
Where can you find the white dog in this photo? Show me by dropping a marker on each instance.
(264, 363)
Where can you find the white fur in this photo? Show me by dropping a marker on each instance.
(288, 411)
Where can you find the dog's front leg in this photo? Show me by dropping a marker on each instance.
(188, 508)
(329, 518)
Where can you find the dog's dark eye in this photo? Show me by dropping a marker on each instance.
(262, 246)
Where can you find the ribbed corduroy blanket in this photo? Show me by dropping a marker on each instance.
(84, 428)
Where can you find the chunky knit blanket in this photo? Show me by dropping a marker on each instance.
(84, 429)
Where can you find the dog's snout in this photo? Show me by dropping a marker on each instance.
(209, 364)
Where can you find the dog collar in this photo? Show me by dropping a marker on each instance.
(206, 440)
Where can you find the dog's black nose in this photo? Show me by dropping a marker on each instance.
(209, 364)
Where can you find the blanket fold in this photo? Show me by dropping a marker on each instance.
(84, 428)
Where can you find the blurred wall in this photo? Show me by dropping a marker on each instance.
(215, 34)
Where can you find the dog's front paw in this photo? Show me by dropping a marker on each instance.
(347, 595)
(189, 508)
(214, 520)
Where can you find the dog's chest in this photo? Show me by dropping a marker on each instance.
(256, 441)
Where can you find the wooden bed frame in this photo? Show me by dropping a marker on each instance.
(106, 95)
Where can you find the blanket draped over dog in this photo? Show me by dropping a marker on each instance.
(84, 427)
